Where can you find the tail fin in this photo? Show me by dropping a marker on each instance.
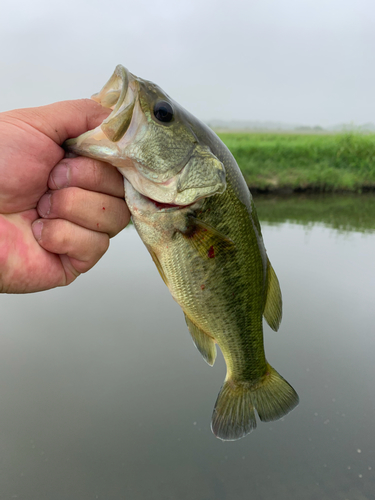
(234, 413)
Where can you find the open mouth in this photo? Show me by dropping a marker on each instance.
(166, 206)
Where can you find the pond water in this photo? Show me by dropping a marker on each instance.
(104, 396)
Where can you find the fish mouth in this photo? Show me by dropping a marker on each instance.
(136, 200)
(167, 207)
(120, 95)
(113, 93)
(201, 176)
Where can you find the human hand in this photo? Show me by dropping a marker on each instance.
(56, 214)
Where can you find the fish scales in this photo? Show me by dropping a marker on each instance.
(195, 214)
(226, 294)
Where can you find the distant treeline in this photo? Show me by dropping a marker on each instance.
(298, 162)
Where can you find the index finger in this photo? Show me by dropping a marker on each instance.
(61, 120)
(86, 173)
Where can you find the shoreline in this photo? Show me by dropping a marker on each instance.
(286, 163)
(288, 190)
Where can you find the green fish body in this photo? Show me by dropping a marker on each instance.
(195, 214)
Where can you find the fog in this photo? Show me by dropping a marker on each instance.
(306, 62)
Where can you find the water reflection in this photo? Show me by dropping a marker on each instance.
(103, 394)
(345, 212)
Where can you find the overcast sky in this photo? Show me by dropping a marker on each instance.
(296, 61)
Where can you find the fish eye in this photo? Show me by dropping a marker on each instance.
(163, 111)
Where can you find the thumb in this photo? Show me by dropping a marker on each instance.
(65, 119)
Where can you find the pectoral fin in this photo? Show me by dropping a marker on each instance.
(208, 242)
(157, 264)
(273, 308)
(204, 343)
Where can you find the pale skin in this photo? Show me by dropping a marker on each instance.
(57, 214)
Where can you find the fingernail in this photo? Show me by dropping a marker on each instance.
(44, 205)
(60, 175)
(37, 229)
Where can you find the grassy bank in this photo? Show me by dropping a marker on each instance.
(271, 161)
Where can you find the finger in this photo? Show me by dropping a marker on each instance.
(83, 247)
(89, 174)
(95, 211)
(64, 119)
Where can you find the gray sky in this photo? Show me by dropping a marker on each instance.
(296, 61)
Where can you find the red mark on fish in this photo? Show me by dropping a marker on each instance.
(211, 252)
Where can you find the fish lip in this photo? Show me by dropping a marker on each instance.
(118, 81)
(123, 85)
(167, 207)
(157, 206)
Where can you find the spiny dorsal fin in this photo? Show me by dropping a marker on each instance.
(204, 343)
(207, 240)
(273, 309)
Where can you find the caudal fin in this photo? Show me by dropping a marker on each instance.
(234, 413)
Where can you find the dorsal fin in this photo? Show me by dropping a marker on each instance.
(273, 308)
(204, 343)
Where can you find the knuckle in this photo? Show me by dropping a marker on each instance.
(103, 244)
(124, 218)
(120, 217)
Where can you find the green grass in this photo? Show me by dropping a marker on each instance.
(271, 161)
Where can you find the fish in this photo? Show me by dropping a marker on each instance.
(195, 214)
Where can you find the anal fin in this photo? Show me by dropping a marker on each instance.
(205, 344)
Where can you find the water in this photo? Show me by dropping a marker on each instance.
(104, 396)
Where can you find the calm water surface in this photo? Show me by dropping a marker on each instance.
(104, 396)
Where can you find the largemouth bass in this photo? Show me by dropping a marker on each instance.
(195, 214)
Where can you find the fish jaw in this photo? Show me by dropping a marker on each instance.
(113, 93)
(141, 205)
(164, 161)
(120, 94)
(109, 141)
(200, 176)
